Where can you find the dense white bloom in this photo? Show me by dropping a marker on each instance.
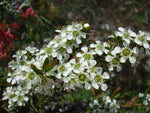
(20, 96)
(34, 72)
(69, 37)
(15, 96)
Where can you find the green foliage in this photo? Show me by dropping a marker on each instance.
(48, 65)
(79, 95)
(36, 70)
(3, 85)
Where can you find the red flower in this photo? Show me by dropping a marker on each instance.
(3, 55)
(8, 34)
(28, 12)
(6, 41)
(15, 26)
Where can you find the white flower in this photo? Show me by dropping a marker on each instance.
(86, 57)
(116, 50)
(105, 75)
(114, 106)
(145, 102)
(148, 97)
(64, 70)
(76, 66)
(141, 95)
(19, 54)
(86, 25)
(104, 86)
(15, 96)
(96, 102)
(32, 49)
(78, 26)
(114, 61)
(98, 78)
(9, 93)
(95, 85)
(70, 28)
(100, 48)
(126, 35)
(142, 40)
(62, 45)
(87, 86)
(127, 53)
(20, 98)
(58, 42)
(73, 82)
(83, 77)
(33, 78)
(106, 99)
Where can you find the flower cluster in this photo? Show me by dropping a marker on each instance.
(6, 40)
(69, 62)
(5, 5)
(129, 46)
(33, 69)
(146, 97)
(106, 105)
(28, 12)
(15, 96)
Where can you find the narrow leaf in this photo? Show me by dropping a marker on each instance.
(48, 65)
(46, 62)
(36, 70)
(48, 22)
(51, 65)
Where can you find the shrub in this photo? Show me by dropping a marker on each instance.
(71, 61)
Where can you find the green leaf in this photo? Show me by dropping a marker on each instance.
(48, 65)
(46, 62)
(48, 22)
(16, 32)
(36, 70)
(117, 95)
(116, 38)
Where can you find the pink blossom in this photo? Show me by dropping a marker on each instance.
(28, 12)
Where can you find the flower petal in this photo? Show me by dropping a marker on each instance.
(132, 60)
